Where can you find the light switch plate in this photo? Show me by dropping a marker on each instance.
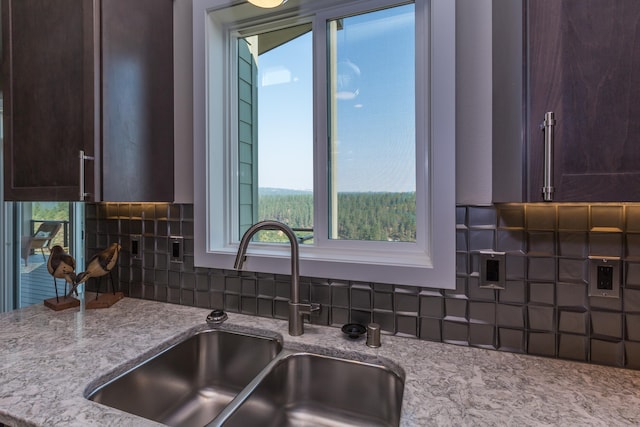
(492, 270)
(176, 248)
(604, 277)
(136, 246)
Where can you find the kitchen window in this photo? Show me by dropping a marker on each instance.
(337, 118)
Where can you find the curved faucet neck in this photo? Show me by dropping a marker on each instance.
(293, 242)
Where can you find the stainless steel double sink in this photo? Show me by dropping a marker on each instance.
(224, 377)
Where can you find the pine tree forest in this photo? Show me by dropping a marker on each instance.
(361, 216)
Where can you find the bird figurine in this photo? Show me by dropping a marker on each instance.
(100, 265)
(61, 265)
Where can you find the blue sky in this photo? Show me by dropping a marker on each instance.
(376, 109)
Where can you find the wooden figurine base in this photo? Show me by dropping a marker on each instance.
(62, 303)
(103, 300)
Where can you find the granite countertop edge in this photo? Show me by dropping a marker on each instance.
(51, 359)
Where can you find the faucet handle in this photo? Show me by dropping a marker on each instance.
(304, 308)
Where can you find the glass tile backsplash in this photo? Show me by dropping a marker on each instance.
(544, 310)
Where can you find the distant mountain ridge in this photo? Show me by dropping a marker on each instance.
(270, 191)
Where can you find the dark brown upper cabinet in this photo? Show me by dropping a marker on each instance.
(579, 59)
(583, 64)
(92, 76)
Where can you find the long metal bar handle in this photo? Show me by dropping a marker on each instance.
(548, 128)
(83, 158)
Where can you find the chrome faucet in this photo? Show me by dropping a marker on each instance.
(296, 308)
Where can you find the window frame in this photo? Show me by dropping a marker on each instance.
(430, 262)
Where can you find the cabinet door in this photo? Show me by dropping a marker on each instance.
(584, 65)
(48, 85)
(137, 104)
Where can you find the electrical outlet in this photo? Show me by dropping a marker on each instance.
(492, 270)
(176, 248)
(604, 277)
(136, 246)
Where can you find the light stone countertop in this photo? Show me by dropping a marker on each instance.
(49, 358)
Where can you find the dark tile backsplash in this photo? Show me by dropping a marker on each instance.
(545, 309)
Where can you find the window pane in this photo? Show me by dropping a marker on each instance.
(275, 135)
(372, 134)
(43, 225)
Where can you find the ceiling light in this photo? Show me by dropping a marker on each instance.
(267, 3)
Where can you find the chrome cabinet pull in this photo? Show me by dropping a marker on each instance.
(83, 158)
(548, 129)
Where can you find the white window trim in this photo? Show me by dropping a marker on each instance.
(386, 262)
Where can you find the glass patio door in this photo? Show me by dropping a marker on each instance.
(37, 228)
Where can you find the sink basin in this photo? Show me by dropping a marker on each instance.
(190, 383)
(307, 389)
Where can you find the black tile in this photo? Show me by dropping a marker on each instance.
(455, 309)
(573, 218)
(482, 312)
(541, 318)
(516, 267)
(481, 335)
(607, 352)
(455, 332)
(233, 285)
(281, 309)
(510, 316)
(407, 325)
(340, 296)
(461, 240)
(511, 340)
(265, 307)
(232, 303)
(339, 316)
(541, 269)
(631, 301)
(607, 217)
(632, 355)
(632, 247)
(461, 215)
(541, 243)
(202, 299)
(383, 300)
(217, 299)
(573, 244)
(511, 216)
(430, 329)
(511, 241)
(431, 306)
(321, 294)
(386, 320)
(573, 270)
(572, 321)
(481, 240)
(361, 298)
(249, 305)
(604, 303)
(266, 287)
(173, 295)
(514, 292)
(632, 323)
(606, 324)
(362, 317)
(632, 275)
(407, 303)
(541, 344)
(540, 217)
(605, 244)
(572, 295)
(480, 216)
